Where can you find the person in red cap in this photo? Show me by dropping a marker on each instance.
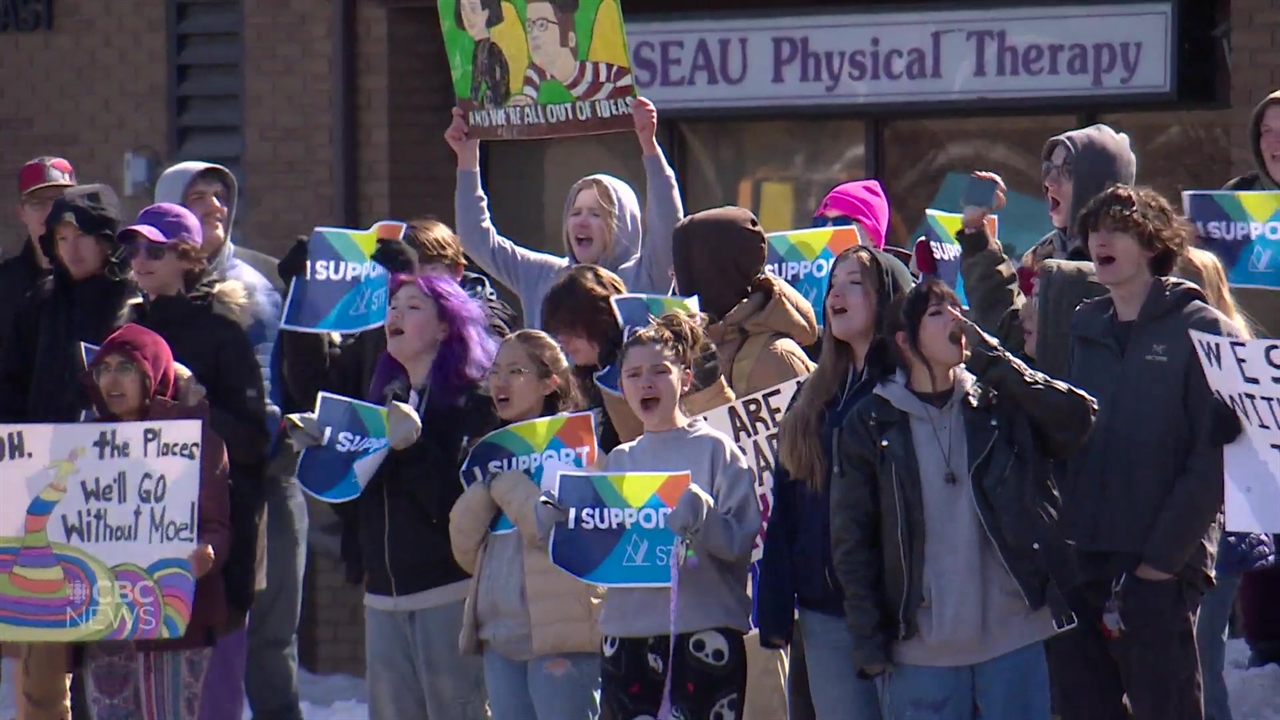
(41, 181)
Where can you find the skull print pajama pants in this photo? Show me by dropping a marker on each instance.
(708, 675)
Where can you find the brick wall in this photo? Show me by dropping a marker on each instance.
(288, 121)
(1255, 64)
(90, 90)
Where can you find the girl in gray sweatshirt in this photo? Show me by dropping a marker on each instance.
(601, 223)
(699, 666)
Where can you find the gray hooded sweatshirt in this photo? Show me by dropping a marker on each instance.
(973, 610)
(530, 273)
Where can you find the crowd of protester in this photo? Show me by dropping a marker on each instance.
(1008, 508)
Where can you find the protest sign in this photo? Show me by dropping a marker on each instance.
(636, 311)
(352, 447)
(341, 289)
(938, 231)
(1242, 229)
(616, 534)
(97, 526)
(1245, 374)
(803, 259)
(752, 423)
(539, 448)
(539, 68)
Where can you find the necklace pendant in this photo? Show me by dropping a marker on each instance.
(950, 477)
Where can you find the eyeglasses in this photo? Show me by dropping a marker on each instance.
(515, 374)
(152, 251)
(539, 24)
(124, 369)
(1049, 167)
(836, 221)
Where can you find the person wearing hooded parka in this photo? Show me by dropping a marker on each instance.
(80, 302)
(602, 223)
(760, 326)
(204, 318)
(133, 377)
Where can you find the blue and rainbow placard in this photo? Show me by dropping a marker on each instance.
(533, 447)
(341, 290)
(616, 534)
(803, 258)
(1242, 229)
(938, 231)
(353, 447)
(634, 312)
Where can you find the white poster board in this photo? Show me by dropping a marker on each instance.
(1245, 374)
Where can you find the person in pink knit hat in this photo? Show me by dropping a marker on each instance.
(861, 203)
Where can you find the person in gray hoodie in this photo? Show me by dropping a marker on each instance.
(262, 659)
(601, 223)
(703, 658)
(1142, 499)
(943, 519)
(1077, 166)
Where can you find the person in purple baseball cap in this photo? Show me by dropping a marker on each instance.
(204, 318)
(163, 247)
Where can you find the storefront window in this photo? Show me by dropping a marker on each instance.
(781, 170)
(527, 182)
(928, 162)
(1179, 150)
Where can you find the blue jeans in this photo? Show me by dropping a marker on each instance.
(1211, 641)
(271, 674)
(1014, 686)
(837, 691)
(555, 687)
(413, 668)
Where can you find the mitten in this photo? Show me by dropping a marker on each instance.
(303, 430)
(1224, 423)
(403, 425)
(294, 262)
(396, 257)
(690, 512)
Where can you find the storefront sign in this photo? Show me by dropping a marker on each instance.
(891, 58)
(23, 16)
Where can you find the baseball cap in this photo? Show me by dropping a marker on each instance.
(92, 218)
(164, 223)
(46, 172)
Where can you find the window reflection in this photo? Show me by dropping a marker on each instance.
(780, 170)
(927, 164)
(1179, 150)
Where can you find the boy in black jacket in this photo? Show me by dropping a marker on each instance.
(1141, 499)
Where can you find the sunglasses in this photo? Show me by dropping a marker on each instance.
(147, 249)
(836, 221)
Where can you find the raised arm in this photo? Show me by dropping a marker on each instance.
(663, 207)
(519, 268)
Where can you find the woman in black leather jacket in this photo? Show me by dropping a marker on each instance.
(943, 518)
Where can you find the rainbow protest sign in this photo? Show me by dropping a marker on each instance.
(341, 290)
(939, 232)
(534, 447)
(97, 526)
(803, 258)
(1242, 229)
(353, 447)
(635, 311)
(616, 534)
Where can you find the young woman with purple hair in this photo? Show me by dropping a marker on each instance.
(438, 352)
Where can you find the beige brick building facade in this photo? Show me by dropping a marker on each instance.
(101, 83)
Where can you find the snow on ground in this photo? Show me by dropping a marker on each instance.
(1255, 694)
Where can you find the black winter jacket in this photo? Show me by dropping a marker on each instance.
(205, 329)
(1147, 487)
(1017, 421)
(402, 517)
(19, 275)
(41, 363)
